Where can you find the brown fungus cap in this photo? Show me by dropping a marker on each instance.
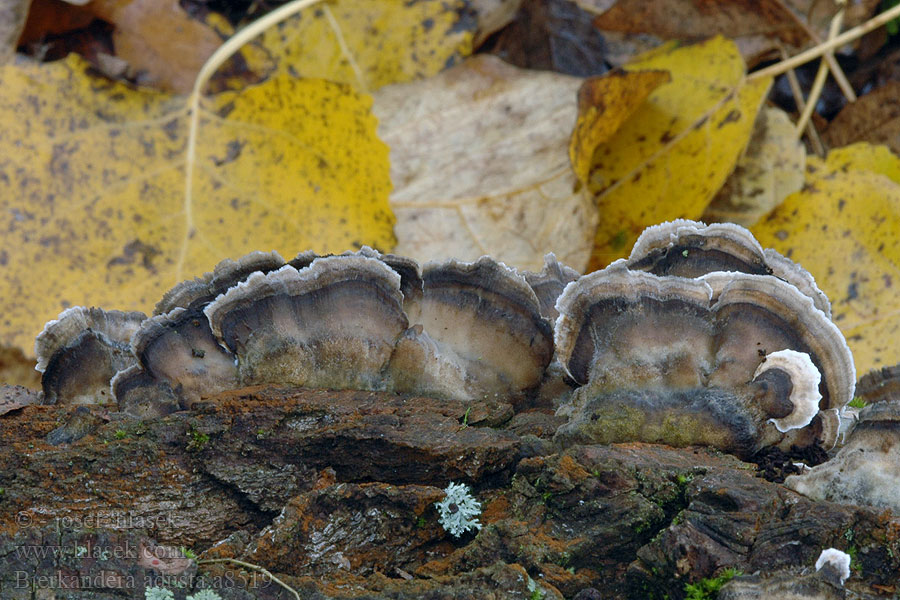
(140, 395)
(757, 315)
(225, 275)
(481, 333)
(784, 268)
(80, 351)
(796, 373)
(180, 349)
(332, 324)
(550, 283)
(692, 249)
(625, 328)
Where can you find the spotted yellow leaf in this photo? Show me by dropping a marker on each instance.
(844, 228)
(604, 103)
(92, 186)
(675, 151)
(367, 43)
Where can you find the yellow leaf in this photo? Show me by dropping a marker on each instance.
(844, 228)
(367, 43)
(862, 157)
(480, 165)
(92, 186)
(673, 154)
(603, 105)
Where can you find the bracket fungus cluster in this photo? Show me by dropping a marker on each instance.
(700, 337)
(353, 321)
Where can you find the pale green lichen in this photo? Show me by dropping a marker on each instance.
(158, 593)
(458, 511)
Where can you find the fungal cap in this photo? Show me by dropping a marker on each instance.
(784, 268)
(113, 326)
(224, 275)
(142, 396)
(549, 283)
(179, 348)
(834, 564)
(674, 299)
(332, 324)
(481, 322)
(790, 317)
(804, 393)
(691, 248)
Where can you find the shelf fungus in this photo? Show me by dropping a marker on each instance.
(865, 471)
(358, 320)
(79, 352)
(700, 337)
(694, 340)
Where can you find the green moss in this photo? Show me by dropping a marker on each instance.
(858, 403)
(198, 440)
(708, 589)
(120, 434)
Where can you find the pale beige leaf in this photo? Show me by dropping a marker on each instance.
(12, 20)
(771, 169)
(479, 163)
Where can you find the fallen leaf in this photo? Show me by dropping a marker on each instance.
(771, 169)
(17, 369)
(757, 27)
(12, 21)
(553, 35)
(693, 19)
(844, 228)
(493, 15)
(480, 165)
(92, 186)
(673, 154)
(873, 118)
(158, 39)
(367, 43)
(604, 103)
(860, 157)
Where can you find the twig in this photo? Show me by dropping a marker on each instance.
(819, 82)
(836, 70)
(216, 60)
(814, 53)
(794, 84)
(252, 567)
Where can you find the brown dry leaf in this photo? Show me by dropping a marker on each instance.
(553, 35)
(693, 19)
(756, 26)
(480, 165)
(844, 228)
(493, 15)
(159, 40)
(771, 169)
(604, 103)
(873, 118)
